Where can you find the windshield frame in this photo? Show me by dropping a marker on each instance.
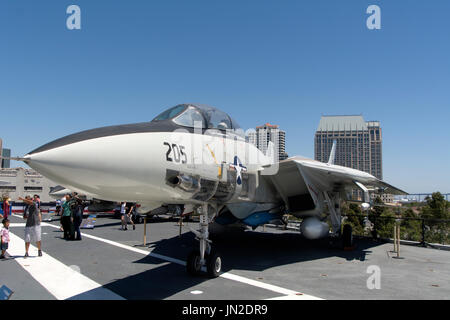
(185, 106)
(206, 112)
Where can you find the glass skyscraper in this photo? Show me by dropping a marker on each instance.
(359, 143)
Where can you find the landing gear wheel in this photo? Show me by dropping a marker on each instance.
(213, 264)
(193, 265)
(347, 236)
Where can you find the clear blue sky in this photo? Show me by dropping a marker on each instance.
(285, 62)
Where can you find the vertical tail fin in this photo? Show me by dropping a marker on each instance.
(270, 152)
(332, 153)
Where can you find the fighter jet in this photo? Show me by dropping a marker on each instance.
(93, 204)
(198, 156)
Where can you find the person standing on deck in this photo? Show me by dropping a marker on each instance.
(33, 225)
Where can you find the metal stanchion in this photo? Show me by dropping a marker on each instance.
(395, 237)
(423, 242)
(181, 225)
(145, 231)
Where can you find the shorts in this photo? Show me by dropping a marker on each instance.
(4, 246)
(33, 234)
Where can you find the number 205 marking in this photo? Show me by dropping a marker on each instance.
(177, 154)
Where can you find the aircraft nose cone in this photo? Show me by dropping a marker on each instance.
(49, 163)
(91, 161)
(97, 133)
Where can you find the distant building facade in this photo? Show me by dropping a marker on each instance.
(268, 132)
(385, 197)
(19, 182)
(359, 143)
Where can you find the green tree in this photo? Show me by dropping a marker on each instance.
(375, 214)
(386, 224)
(411, 229)
(436, 208)
(355, 218)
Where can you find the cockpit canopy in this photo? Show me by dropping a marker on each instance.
(190, 115)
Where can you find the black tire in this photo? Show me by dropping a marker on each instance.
(193, 263)
(347, 236)
(213, 264)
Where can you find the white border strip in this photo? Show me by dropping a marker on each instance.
(61, 281)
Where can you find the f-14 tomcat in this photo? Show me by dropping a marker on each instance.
(198, 156)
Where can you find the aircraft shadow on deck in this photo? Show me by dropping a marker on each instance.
(157, 283)
(257, 251)
(251, 250)
(164, 280)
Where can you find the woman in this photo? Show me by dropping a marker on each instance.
(78, 217)
(123, 217)
(5, 207)
(130, 214)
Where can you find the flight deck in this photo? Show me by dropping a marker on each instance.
(266, 263)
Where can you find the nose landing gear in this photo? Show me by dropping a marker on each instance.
(206, 256)
(212, 262)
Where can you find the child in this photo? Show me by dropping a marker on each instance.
(4, 233)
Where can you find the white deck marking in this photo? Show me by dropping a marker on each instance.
(61, 281)
(227, 275)
(126, 247)
(196, 292)
(270, 287)
(130, 248)
(12, 225)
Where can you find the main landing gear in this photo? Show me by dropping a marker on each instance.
(206, 256)
(347, 237)
(345, 240)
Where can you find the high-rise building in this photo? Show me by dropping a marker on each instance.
(268, 132)
(5, 163)
(359, 143)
